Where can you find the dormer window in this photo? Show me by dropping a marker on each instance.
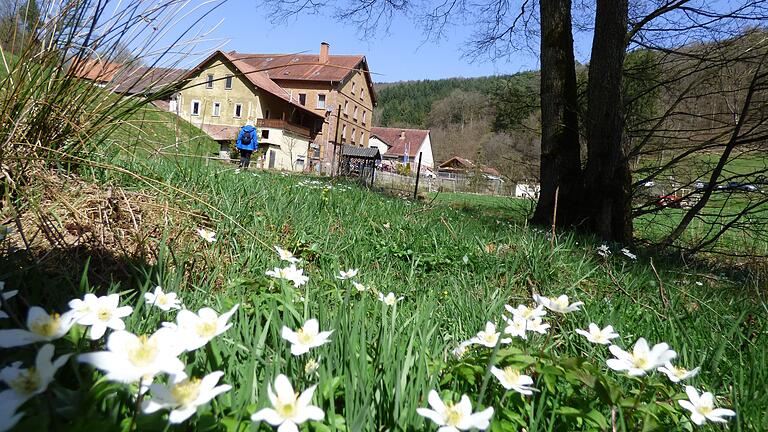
(209, 81)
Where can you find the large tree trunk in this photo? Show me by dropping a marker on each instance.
(607, 203)
(560, 159)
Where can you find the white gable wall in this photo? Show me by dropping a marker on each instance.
(427, 159)
(374, 141)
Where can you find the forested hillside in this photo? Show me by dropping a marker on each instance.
(492, 120)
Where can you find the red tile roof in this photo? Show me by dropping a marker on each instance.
(465, 165)
(301, 66)
(221, 133)
(399, 140)
(95, 70)
(140, 79)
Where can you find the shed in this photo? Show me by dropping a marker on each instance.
(360, 162)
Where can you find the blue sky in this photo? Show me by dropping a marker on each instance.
(399, 54)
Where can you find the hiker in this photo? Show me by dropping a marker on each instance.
(247, 143)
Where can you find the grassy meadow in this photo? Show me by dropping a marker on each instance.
(455, 267)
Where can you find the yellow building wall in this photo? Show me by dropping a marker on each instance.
(242, 92)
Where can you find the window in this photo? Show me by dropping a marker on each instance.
(321, 101)
(354, 115)
(228, 83)
(346, 105)
(195, 108)
(266, 114)
(344, 132)
(353, 135)
(303, 98)
(318, 125)
(361, 94)
(216, 109)
(353, 87)
(364, 113)
(265, 133)
(209, 81)
(238, 110)
(362, 137)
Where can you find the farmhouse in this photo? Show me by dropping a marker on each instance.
(403, 145)
(305, 106)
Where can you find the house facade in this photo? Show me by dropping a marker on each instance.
(399, 145)
(330, 96)
(223, 93)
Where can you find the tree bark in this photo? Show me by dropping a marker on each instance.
(607, 198)
(560, 152)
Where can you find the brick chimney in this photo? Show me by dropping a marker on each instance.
(324, 46)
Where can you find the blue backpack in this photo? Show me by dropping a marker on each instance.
(246, 139)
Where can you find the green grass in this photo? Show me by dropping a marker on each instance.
(455, 268)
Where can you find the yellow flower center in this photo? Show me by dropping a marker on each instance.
(46, 326)
(561, 304)
(511, 375)
(640, 362)
(452, 415)
(679, 371)
(527, 313)
(186, 391)
(104, 314)
(206, 329)
(287, 410)
(162, 299)
(27, 382)
(704, 410)
(304, 337)
(144, 353)
(490, 338)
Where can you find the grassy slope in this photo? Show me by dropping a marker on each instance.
(420, 256)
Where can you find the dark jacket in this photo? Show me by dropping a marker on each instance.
(254, 144)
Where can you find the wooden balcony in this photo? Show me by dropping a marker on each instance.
(284, 125)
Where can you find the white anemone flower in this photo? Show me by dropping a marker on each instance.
(289, 409)
(26, 383)
(525, 312)
(454, 418)
(536, 325)
(511, 379)
(42, 328)
(105, 312)
(82, 307)
(360, 287)
(349, 274)
(290, 273)
(629, 254)
(163, 300)
(559, 305)
(311, 366)
(8, 416)
(603, 251)
(132, 358)
(598, 336)
(460, 350)
(286, 255)
(702, 407)
(307, 337)
(389, 299)
(183, 395)
(197, 329)
(517, 326)
(677, 374)
(5, 295)
(489, 337)
(641, 359)
(209, 236)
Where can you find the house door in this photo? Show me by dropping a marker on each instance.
(271, 159)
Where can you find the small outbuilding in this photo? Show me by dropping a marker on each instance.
(360, 162)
